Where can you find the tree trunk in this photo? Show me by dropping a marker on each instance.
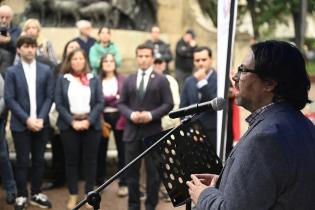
(251, 6)
(299, 20)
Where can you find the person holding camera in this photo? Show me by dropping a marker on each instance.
(8, 32)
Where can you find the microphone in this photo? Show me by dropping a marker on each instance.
(213, 105)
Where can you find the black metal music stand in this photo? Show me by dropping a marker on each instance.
(185, 151)
(185, 148)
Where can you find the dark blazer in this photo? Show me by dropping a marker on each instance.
(157, 100)
(17, 96)
(62, 103)
(192, 95)
(272, 167)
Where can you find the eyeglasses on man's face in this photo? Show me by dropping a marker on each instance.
(242, 69)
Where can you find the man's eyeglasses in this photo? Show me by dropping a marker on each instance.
(242, 69)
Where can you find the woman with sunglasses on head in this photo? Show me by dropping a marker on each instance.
(112, 83)
(79, 101)
(45, 52)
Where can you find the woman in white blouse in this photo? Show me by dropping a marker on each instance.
(111, 84)
(79, 101)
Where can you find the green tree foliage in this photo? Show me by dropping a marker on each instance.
(268, 12)
(263, 12)
(210, 7)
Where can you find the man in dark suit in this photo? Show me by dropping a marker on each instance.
(29, 95)
(201, 87)
(145, 98)
(272, 166)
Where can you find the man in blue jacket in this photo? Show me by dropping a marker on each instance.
(201, 86)
(272, 166)
(28, 95)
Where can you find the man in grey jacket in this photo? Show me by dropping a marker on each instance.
(272, 167)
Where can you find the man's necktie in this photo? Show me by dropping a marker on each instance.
(141, 86)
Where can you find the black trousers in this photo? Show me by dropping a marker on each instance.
(76, 145)
(58, 159)
(27, 142)
(133, 149)
(111, 118)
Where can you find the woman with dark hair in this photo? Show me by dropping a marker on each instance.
(103, 46)
(111, 83)
(68, 48)
(58, 163)
(79, 101)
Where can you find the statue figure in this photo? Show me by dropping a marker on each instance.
(65, 7)
(37, 9)
(97, 11)
(114, 13)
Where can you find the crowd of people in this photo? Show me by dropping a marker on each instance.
(67, 102)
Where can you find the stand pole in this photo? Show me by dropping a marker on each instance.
(188, 205)
(94, 199)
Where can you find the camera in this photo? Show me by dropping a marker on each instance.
(3, 31)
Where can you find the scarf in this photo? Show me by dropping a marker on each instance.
(82, 76)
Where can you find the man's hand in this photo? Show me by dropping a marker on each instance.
(145, 117)
(4, 39)
(208, 179)
(200, 74)
(40, 123)
(192, 42)
(76, 125)
(200, 183)
(34, 124)
(135, 117)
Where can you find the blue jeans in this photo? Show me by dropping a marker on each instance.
(5, 165)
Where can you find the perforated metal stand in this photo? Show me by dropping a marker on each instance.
(186, 150)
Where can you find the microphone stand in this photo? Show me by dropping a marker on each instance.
(94, 199)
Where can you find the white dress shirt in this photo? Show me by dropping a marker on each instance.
(30, 75)
(146, 77)
(204, 82)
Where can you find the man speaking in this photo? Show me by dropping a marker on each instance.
(273, 165)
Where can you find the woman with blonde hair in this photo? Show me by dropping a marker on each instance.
(45, 52)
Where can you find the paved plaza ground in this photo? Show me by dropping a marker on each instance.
(110, 201)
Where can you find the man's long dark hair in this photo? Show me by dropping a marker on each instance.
(284, 63)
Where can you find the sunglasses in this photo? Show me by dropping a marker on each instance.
(242, 69)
